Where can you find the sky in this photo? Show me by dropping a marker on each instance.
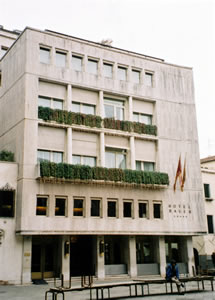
(179, 31)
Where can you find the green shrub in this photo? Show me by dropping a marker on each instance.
(6, 155)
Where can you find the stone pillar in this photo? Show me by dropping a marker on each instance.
(132, 153)
(65, 258)
(69, 146)
(26, 259)
(162, 255)
(102, 149)
(187, 256)
(100, 264)
(101, 104)
(130, 108)
(69, 98)
(132, 260)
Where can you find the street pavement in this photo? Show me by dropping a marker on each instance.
(37, 292)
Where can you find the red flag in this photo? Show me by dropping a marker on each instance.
(183, 176)
(178, 173)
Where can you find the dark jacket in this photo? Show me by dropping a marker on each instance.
(170, 273)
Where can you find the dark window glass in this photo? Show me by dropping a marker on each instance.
(142, 210)
(6, 204)
(157, 211)
(60, 207)
(95, 208)
(41, 206)
(78, 207)
(127, 209)
(207, 190)
(210, 224)
(111, 208)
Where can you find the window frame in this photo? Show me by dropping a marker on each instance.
(125, 201)
(64, 54)
(116, 208)
(207, 191)
(139, 116)
(124, 78)
(45, 48)
(51, 153)
(110, 65)
(133, 71)
(83, 207)
(100, 207)
(147, 75)
(160, 210)
(47, 205)
(77, 56)
(52, 101)
(116, 151)
(143, 165)
(92, 60)
(145, 202)
(11, 203)
(81, 105)
(82, 160)
(115, 103)
(65, 206)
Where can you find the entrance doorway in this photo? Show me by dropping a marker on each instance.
(82, 255)
(44, 250)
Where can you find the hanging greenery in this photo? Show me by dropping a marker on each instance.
(68, 117)
(6, 155)
(82, 172)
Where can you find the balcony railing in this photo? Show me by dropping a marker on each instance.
(69, 118)
(87, 173)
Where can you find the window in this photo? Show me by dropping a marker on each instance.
(7, 204)
(60, 59)
(143, 209)
(45, 55)
(53, 156)
(115, 158)
(122, 73)
(136, 76)
(3, 51)
(111, 208)
(114, 109)
(83, 108)
(127, 209)
(84, 160)
(157, 210)
(60, 207)
(50, 102)
(149, 79)
(142, 118)
(207, 190)
(95, 208)
(108, 70)
(145, 166)
(41, 209)
(78, 207)
(210, 224)
(92, 66)
(77, 63)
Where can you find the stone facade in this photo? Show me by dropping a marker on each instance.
(74, 219)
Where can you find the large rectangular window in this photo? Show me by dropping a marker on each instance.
(143, 209)
(210, 224)
(45, 55)
(115, 158)
(41, 208)
(148, 79)
(136, 76)
(92, 66)
(127, 209)
(112, 208)
(52, 156)
(86, 109)
(7, 204)
(207, 190)
(60, 59)
(50, 102)
(78, 207)
(95, 208)
(77, 62)
(60, 207)
(108, 70)
(84, 160)
(122, 73)
(114, 108)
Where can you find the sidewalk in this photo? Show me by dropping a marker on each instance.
(37, 292)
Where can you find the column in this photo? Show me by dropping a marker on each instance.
(101, 104)
(65, 257)
(130, 108)
(187, 256)
(102, 149)
(69, 98)
(26, 259)
(100, 265)
(69, 146)
(132, 259)
(132, 153)
(162, 255)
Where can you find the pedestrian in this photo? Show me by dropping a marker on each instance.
(172, 274)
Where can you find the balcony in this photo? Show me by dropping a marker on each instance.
(62, 172)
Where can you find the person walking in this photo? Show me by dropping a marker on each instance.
(172, 274)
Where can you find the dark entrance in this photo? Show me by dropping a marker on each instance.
(44, 250)
(82, 260)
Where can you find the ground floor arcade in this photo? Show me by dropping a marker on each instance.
(102, 256)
